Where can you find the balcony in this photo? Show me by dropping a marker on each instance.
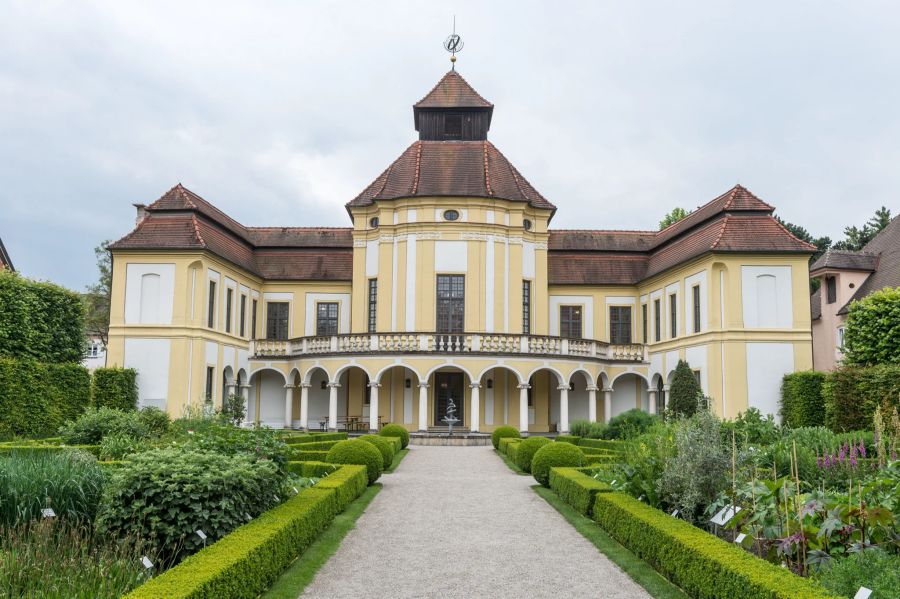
(445, 344)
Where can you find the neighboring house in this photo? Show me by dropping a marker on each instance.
(5, 261)
(847, 276)
(450, 285)
(95, 356)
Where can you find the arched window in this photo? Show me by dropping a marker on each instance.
(149, 298)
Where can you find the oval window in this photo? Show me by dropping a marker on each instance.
(527, 224)
(373, 222)
(451, 215)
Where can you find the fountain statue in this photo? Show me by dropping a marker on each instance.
(450, 418)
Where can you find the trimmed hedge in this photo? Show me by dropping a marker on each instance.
(37, 398)
(698, 562)
(292, 438)
(300, 455)
(311, 469)
(577, 488)
(114, 388)
(315, 445)
(502, 432)
(505, 442)
(396, 442)
(246, 562)
(802, 403)
(551, 455)
(567, 439)
(396, 431)
(615, 446)
(512, 451)
(354, 451)
(851, 395)
(384, 446)
(527, 449)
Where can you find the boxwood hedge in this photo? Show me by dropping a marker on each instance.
(576, 488)
(114, 388)
(527, 449)
(292, 438)
(36, 398)
(802, 403)
(384, 447)
(501, 432)
(311, 469)
(396, 431)
(301, 455)
(554, 454)
(354, 451)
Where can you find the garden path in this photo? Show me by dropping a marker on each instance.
(456, 522)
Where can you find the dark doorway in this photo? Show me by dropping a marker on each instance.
(447, 385)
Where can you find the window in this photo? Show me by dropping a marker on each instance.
(673, 315)
(373, 304)
(830, 290)
(326, 319)
(229, 298)
(210, 372)
(243, 327)
(527, 224)
(570, 322)
(620, 325)
(695, 291)
(277, 320)
(697, 376)
(526, 307)
(373, 222)
(644, 322)
(451, 303)
(840, 338)
(453, 126)
(253, 319)
(657, 320)
(451, 215)
(211, 309)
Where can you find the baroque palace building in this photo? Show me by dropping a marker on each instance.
(451, 285)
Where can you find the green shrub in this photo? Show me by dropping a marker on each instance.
(312, 469)
(396, 443)
(37, 398)
(852, 393)
(872, 332)
(576, 488)
(629, 424)
(155, 420)
(802, 403)
(505, 442)
(395, 430)
(580, 428)
(164, 495)
(96, 423)
(872, 568)
(751, 428)
(314, 446)
(116, 446)
(700, 563)
(258, 443)
(684, 392)
(385, 447)
(554, 454)
(358, 452)
(314, 437)
(69, 481)
(233, 409)
(526, 450)
(114, 388)
(567, 439)
(246, 562)
(512, 451)
(502, 432)
(608, 444)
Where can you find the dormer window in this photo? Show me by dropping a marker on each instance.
(830, 290)
(453, 126)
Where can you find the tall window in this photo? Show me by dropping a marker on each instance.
(695, 291)
(326, 319)
(373, 304)
(243, 316)
(253, 319)
(277, 320)
(657, 320)
(673, 315)
(644, 322)
(526, 307)
(211, 309)
(830, 290)
(210, 371)
(451, 303)
(570, 322)
(620, 324)
(229, 298)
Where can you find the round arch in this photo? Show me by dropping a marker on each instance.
(588, 379)
(380, 373)
(560, 379)
(603, 381)
(261, 369)
(627, 372)
(307, 377)
(462, 369)
(499, 367)
(336, 377)
(241, 377)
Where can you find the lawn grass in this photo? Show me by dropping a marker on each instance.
(511, 464)
(398, 457)
(640, 571)
(300, 573)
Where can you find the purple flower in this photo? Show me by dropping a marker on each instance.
(842, 454)
(853, 461)
(862, 449)
(819, 462)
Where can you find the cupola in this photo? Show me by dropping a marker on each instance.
(453, 111)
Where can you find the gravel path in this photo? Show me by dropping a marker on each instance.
(456, 522)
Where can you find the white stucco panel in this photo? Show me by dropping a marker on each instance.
(343, 300)
(766, 297)
(696, 356)
(148, 299)
(767, 363)
(528, 260)
(451, 256)
(587, 320)
(150, 358)
(372, 258)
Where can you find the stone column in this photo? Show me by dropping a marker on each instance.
(229, 391)
(245, 394)
(475, 417)
(607, 404)
(523, 408)
(651, 407)
(304, 405)
(423, 407)
(592, 404)
(665, 397)
(333, 387)
(288, 405)
(373, 406)
(563, 408)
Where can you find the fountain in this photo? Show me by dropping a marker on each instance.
(450, 418)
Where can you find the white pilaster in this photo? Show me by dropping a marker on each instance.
(373, 406)
(475, 417)
(332, 404)
(607, 404)
(592, 404)
(665, 397)
(423, 406)
(288, 405)
(304, 405)
(651, 395)
(563, 408)
(245, 394)
(523, 407)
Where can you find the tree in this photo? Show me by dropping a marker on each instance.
(673, 217)
(98, 296)
(872, 332)
(821, 243)
(684, 392)
(857, 237)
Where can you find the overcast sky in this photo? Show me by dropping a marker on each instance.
(280, 112)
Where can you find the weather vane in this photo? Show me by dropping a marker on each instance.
(453, 44)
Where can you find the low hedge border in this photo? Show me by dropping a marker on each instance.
(505, 442)
(577, 488)
(397, 442)
(567, 439)
(301, 455)
(615, 446)
(312, 469)
(512, 450)
(702, 564)
(247, 561)
(294, 438)
(10, 448)
(314, 445)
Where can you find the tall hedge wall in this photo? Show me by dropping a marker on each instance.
(801, 399)
(36, 398)
(39, 321)
(852, 393)
(114, 388)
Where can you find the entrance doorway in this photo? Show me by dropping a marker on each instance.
(447, 385)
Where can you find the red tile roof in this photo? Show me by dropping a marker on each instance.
(452, 91)
(589, 268)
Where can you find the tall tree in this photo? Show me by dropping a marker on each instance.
(684, 392)
(857, 237)
(98, 296)
(673, 217)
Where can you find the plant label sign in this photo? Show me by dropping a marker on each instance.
(740, 538)
(295, 490)
(145, 561)
(862, 593)
(674, 513)
(248, 517)
(48, 512)
(724, 515)
(200, 534)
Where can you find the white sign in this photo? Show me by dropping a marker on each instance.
(674, 513)
(277, 500)
(248, 517)
(146, 562)
(725, 514)
(862, 593)
(740, 538)
(48, 512)
(200, 534)
(295, 490)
